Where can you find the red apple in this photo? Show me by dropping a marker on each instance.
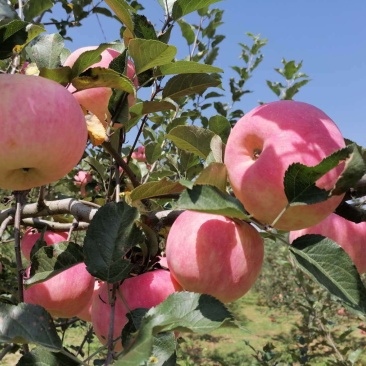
(139, 155)
(82, 178)
(264, 143)
(65, 294)
(349, 235)
(31, 235)
(214, 255)
(43, 131)
(85, 312)
(144, 291)
(96, 100)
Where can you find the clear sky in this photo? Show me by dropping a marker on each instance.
(329, 36)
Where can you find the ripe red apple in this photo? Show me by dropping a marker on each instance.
(85, 312)
(349, 235)
(214, 255)
(31, 235)
(96, 100)
(139, 155)
(65, 294)
(144, 291)
(82, 178)
(43, 131)
(264, 143)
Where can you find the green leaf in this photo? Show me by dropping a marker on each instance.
(12, 34)
(61, 75)
(50, 260)
(97, 166)
(192, 138)
(139, 109)
(100, 77)
(34, 8)
(220, 126)
(184, 7)
(42, 357)
(148, 53)
(47, 50)
(187, 84)
(158, 188)
(143, 27)
(123, 12)
(299, 181)
(87, 59)
(188, 31)
(214, 175)
(111, 234)
(329, 265)
(182, 312)
(354, 170)
(26, 323)
(210, 199)
(185, 67)
(153, 152)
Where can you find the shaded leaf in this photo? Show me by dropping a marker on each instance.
(143, 28)
(110, 236)
(50, 260)
(300, 180)
(12, 34)
(39, 328)
(42, 357)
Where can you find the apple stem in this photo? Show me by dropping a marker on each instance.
(279, 216)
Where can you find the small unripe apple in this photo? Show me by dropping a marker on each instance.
(65, 294)
(349, 235)
(214, 255)
(31, 235)
(261, 147)
(43, 131)
(96, 100)
(144, 291)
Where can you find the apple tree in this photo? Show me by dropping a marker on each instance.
(136, 200)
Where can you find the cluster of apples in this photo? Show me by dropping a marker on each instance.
(215, 255)
(76, 293)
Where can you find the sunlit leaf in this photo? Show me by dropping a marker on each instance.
(328, 264)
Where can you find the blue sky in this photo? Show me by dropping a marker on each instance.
(329, 36)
